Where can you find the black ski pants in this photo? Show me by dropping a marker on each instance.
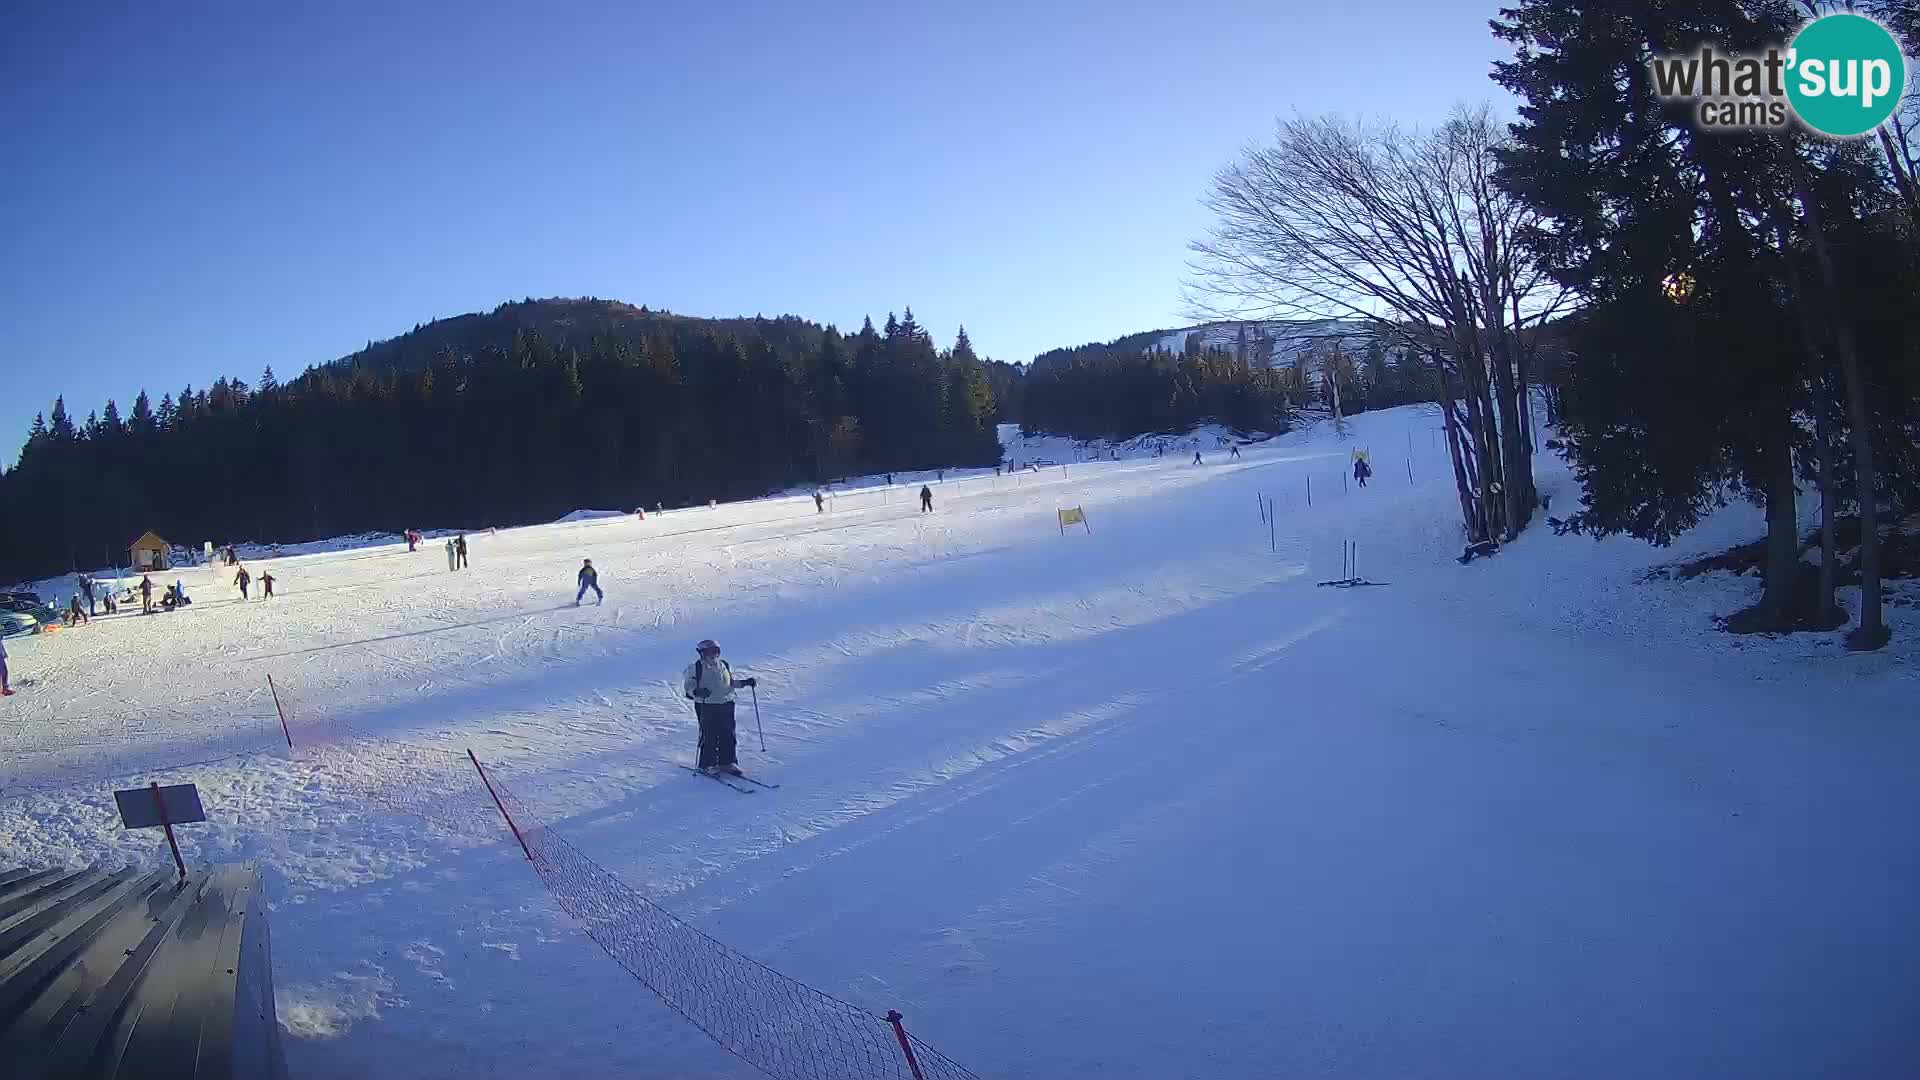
(716, 733)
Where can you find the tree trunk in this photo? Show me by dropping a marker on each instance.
(1783, 529)
(1829, 556)
(1822, 438)
(1485, 442)
(1872, 632)
(1445, 399)
(1516, 461)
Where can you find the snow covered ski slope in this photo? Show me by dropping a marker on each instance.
(1140, 800)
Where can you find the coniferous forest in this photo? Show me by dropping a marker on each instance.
(582, 405)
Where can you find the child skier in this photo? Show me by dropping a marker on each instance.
(589, 579)
(266, 583)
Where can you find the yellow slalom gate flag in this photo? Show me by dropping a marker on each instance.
(1073, 515)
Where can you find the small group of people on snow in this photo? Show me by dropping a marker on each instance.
(244, 579)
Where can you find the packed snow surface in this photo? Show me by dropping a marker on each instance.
(1138, 799)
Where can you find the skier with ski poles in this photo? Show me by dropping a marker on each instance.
(460, 547)
(589, 578)
(266, 583)
(710, 684)
(242, 579)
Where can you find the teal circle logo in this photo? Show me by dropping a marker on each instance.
(1846, 75)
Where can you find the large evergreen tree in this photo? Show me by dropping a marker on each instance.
(1701, 344)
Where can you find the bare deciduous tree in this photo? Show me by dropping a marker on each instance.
(1407, 231)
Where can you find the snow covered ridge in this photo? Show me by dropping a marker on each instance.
(1044, 449)
(1019, 773)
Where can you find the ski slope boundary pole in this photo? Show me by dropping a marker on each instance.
(500, 806)
(913, 1063)
(756, 718)
(278, 711)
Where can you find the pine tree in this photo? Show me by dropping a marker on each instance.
(1640, 199)
(60, 430)
(141, 422)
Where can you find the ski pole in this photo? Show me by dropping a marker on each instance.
(756, 717)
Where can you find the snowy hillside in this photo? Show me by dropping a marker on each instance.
(1137, 799)
(1287, 336)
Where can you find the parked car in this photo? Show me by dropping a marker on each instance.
(13, 624)
(29, 605)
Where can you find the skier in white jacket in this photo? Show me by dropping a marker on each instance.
(709, 682)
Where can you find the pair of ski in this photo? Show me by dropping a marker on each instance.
(732, 781)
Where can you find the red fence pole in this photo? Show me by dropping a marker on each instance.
(502, 807)
(281, 713)
(160, 805)
(913, 1063)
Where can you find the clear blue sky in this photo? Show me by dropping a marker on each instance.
(194, 190)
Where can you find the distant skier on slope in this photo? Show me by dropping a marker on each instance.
(819, 502)
(146, 595)
(86, 586)
(1234, 453)
(1361, 470)
(451, 565)
(709, 682)
(413, 540)
(926, 499)
(589, 578)
(242, 579)
(460, 547)
(1196, 458)
(266, 585)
